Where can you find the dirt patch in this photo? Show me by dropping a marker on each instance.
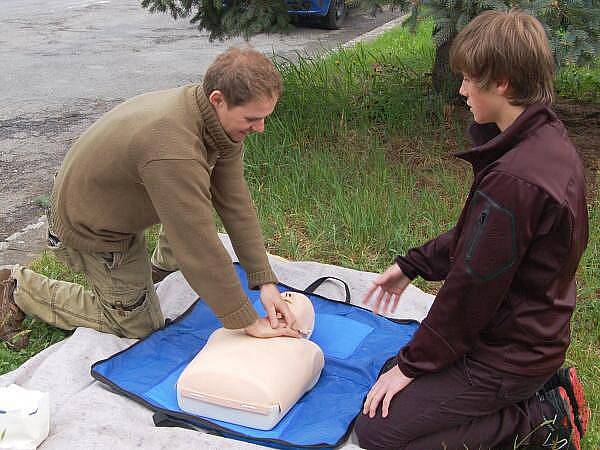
(583, 123)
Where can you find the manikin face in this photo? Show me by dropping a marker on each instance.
(239, 121)
(486, 104)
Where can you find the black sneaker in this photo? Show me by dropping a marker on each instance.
(568, 379)
(562, 431)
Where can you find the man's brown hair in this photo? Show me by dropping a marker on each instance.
(243, 75)
(510, 46)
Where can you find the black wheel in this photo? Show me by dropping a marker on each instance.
(336, 15)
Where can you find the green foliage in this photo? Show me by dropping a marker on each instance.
(227, 18)
(572, 26)
(579, 82)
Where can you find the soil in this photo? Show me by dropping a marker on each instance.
(583, 123)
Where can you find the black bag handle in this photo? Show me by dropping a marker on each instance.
(315, 285)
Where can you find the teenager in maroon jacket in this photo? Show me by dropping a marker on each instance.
(499, 326)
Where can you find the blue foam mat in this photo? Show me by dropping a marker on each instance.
(355, 343)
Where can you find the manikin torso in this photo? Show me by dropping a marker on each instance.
(252, 381)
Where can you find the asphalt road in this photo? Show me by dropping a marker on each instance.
(65, 62)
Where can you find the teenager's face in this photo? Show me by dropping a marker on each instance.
(239, 121)
(485, 104)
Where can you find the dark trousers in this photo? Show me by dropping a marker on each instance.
(467, 405)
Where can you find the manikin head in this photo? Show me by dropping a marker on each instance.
(243, 87)
(303, 311)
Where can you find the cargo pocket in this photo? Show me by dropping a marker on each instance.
(491, 246)
(112, 260)
(133, 314)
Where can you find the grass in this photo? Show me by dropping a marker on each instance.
(356, 167)
(581, 83)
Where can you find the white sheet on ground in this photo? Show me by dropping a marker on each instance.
(84, 415)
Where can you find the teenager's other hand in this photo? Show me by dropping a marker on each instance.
(388, 385)
(387, 289)
(275, 306)
(263, 328)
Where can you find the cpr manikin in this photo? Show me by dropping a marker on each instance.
(251, 381)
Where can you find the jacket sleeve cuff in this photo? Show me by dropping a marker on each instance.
(408, 370)
(256, 279)
(427, 352)
(240, 318)
(406, 267)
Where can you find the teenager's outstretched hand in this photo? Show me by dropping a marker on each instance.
(388, 385)
(387, 289)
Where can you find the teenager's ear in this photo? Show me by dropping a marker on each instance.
(502, 87)
(217, 99)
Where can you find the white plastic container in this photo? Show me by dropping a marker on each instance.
(24, 418)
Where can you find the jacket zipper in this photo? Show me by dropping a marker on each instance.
(480, 226)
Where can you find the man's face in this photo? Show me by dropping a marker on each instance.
(239, 121)
(485, 104)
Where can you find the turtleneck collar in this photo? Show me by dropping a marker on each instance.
(213, 130)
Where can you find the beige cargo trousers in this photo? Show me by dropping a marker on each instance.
(121, 301)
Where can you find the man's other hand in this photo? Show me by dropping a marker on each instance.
(263, 328)
(391, 285)
(275, 306)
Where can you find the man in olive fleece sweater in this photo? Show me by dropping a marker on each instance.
(164, 157)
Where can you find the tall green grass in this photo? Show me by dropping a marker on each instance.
(356, 167)
(582, 83)
(355, 143)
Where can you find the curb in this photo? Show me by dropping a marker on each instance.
(375, 32)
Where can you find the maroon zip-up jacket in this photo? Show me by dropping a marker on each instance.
(509, 263)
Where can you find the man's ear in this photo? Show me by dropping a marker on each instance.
(217, 99)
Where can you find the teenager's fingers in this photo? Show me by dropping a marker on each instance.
(378, 301)
(387, 302)
(369, 293)
(370, 395)
(384, 302)
(396, 300)
(368, 400)
(385, 405)
(375, 403)
(374, 396)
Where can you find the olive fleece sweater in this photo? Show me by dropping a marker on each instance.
(163, 157)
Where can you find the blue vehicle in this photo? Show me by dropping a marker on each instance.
(331, 13)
